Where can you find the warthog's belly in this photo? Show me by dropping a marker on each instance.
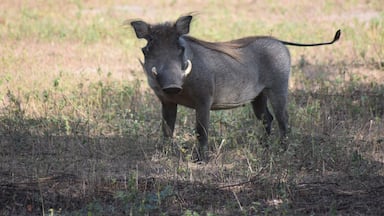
(229, 105)
(237, 95)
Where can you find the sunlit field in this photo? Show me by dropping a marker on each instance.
(80, 129)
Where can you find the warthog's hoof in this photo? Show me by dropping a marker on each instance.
(284, 143)
(199, 155)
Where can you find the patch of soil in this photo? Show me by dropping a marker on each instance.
(333, 194)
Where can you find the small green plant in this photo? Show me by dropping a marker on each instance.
(190, 213)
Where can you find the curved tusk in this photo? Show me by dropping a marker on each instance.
(189, 68)
(154, 71)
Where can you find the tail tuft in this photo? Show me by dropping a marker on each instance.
(337, 36)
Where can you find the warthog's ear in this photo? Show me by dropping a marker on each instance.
(141, 29)
(182, 24)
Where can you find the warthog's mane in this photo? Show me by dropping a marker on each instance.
(230, 48)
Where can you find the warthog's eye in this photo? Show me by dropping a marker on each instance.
(184, 64)
(181, 50)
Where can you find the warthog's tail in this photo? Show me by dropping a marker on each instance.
(336, 38)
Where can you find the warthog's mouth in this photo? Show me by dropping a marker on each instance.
(172, 89)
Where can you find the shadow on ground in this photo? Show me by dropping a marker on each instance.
(102, 177)
(322, 174)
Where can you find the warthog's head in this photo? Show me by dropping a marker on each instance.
(167, 55)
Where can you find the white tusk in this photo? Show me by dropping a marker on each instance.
(154, 71)
(189, 68)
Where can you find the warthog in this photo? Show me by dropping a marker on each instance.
(209, 76)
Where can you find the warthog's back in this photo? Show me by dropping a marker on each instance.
(239, 70)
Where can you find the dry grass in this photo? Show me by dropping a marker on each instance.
(79, 128)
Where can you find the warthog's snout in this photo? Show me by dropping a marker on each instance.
(172, 89)
(171, 82)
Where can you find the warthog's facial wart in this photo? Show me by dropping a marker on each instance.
(154, 71)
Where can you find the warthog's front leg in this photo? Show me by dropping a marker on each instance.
(169, 111)
(202, 123)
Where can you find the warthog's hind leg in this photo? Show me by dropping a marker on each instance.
(279, 102)
(261, 111)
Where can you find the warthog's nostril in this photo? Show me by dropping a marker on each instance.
(172, 90)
